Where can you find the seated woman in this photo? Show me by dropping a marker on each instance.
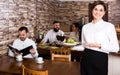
(75, 32)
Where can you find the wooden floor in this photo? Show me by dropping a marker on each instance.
(114, 64)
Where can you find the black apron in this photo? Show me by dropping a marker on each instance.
(94, 63)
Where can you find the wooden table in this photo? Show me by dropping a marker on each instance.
(45, 53)
(9, 66)
(117, 30)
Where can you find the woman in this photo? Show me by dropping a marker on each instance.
(75, 32)
(99, 38)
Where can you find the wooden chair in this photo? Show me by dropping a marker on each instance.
(59, 54)
(26, 71)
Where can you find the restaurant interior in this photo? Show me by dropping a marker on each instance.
(38, 16)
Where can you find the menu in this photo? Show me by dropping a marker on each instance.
(24, 51)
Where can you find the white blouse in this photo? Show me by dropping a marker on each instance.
(103, 33)
(74, 36)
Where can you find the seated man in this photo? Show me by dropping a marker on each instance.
(22, 42)
(51, 34)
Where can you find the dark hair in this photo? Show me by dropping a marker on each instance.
(56, 22)
(23, 28)
(76, 24)
(99, 3)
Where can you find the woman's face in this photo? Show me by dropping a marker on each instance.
(98, 12)
(74, 28)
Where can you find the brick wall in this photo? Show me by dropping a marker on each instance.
(114, 12)
(72, 11)
(37, 15)
(46, 14)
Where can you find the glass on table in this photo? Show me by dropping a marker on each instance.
(60, 38)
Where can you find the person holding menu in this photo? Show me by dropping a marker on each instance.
(22, 43)
(99, 38)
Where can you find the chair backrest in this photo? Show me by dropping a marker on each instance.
(26, 71)
(59, 54)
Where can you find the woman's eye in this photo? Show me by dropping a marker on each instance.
(101, 10)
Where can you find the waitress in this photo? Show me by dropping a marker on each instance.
(99, 38)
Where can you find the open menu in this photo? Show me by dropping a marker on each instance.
(24, 51)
